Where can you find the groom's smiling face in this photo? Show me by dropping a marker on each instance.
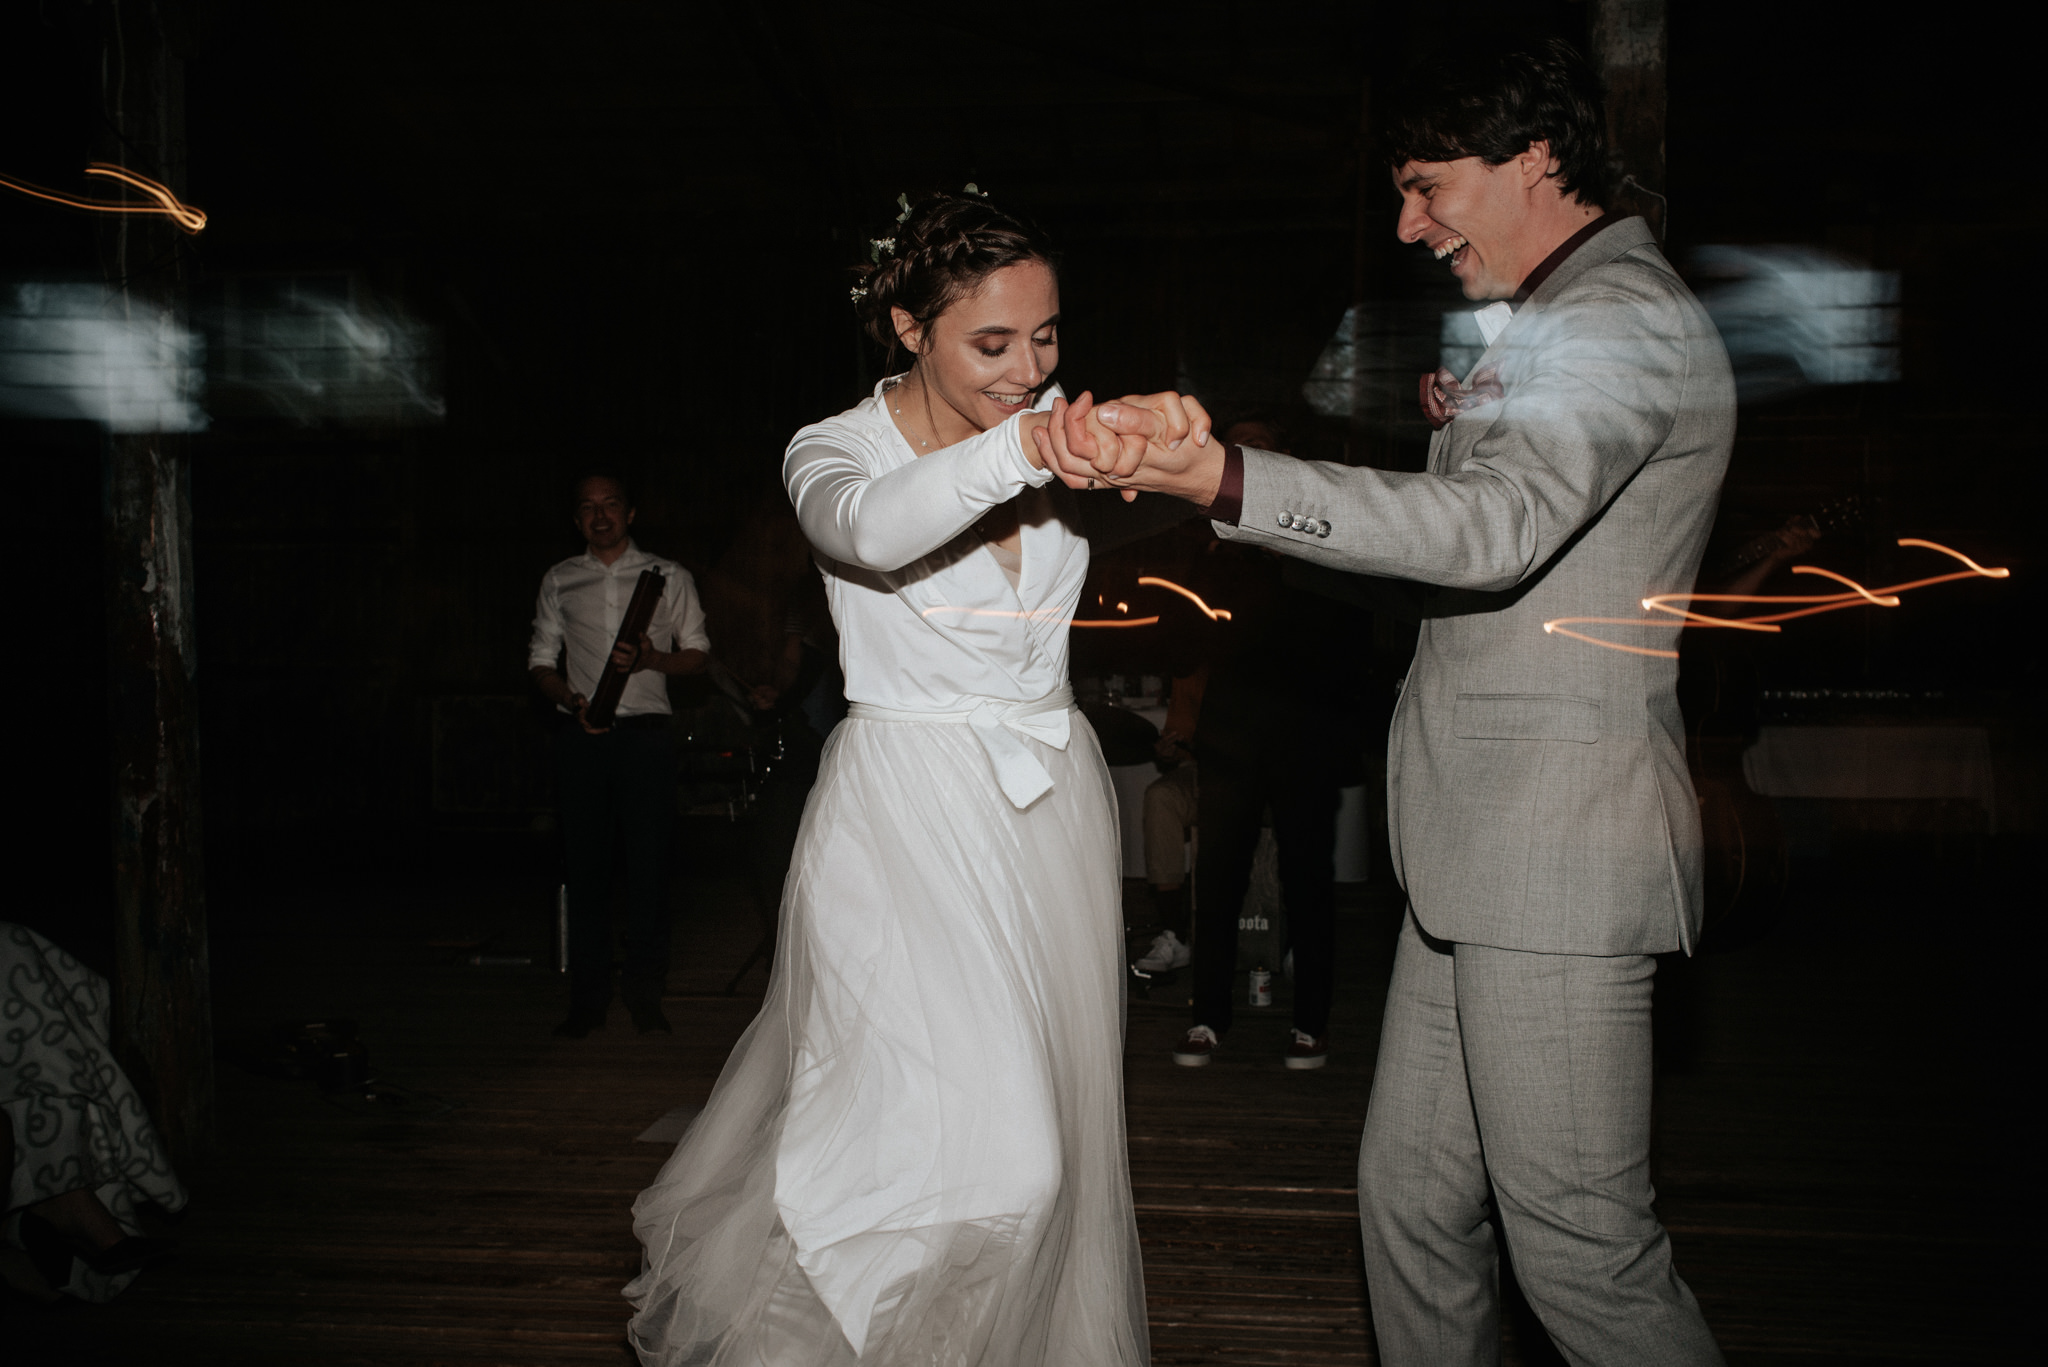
(1472, 216)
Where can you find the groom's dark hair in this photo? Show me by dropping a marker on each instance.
(1492, 99)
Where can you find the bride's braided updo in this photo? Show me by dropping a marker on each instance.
(943, 249)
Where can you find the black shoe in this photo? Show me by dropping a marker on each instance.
(46, 1249)
(579, 1024)
(130, 1255)
(647, 1018)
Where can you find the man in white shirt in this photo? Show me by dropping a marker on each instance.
(616, 784)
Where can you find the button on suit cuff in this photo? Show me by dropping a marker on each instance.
(1228, 505)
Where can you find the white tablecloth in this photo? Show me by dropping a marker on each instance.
(1874, 762)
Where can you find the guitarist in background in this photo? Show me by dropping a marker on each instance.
(1764, 557)
(1745, 854)
(616, 785)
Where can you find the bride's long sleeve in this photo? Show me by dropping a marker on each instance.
(884, 522)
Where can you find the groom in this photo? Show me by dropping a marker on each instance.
(1542, 821)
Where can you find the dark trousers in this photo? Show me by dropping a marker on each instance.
(617, 801)
(1230, 803)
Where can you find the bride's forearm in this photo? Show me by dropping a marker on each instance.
(884, 522)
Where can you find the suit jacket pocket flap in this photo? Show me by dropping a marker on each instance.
(1526, 716)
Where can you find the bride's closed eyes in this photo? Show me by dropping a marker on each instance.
(995, 353)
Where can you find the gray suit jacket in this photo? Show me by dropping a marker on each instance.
(1536, 784)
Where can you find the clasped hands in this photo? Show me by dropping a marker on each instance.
(1142, 443)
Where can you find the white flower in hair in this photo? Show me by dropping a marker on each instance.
(858, 293)
(878, 245)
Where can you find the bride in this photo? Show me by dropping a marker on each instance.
(916, 1153)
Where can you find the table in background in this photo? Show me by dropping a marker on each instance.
(1874, 762)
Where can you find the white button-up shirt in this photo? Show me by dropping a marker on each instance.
(582, 602)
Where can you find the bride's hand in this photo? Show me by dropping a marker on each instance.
(1150, 427)
(1078, 437)
(1180, 416)
(1076, 443)
(1167, 462)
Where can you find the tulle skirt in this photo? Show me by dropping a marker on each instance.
(916, 1153)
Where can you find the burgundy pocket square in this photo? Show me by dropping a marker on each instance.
(1443, 398)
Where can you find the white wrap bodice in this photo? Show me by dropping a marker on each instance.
(928, 620)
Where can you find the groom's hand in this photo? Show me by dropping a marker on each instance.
(1178, 456)
(1153, 442)
(1075, 443)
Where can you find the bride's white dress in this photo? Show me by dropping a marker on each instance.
(916, 1152)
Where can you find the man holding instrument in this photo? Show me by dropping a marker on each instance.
(616, 782)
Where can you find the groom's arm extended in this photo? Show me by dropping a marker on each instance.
(1597, 395)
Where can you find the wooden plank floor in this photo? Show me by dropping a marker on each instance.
(1838, 1149)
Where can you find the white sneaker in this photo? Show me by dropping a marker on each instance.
(1168, 951)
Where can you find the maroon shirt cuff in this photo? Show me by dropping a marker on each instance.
(1229, 502)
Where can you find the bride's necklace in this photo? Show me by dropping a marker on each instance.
(905, 425)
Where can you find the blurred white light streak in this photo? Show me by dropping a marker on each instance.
(1041, 615)
(78, 351)
(320, 347)
(1792, 316)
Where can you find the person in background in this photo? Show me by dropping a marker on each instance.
(1765, 557)
(1279, 729)
(616, 785)
(1170, 812)
(778, 658)
(78, 1154)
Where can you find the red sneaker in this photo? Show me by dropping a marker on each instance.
(1195, 1047)
(1307, 1051)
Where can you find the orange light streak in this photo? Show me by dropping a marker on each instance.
(1042, 616)
(167, 204)
(1213, 614)
(1937, 546)
(1858, 596)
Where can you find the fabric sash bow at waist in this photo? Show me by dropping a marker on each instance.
(997, 725)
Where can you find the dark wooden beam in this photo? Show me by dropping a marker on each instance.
(162, 1005)
(1629, 42)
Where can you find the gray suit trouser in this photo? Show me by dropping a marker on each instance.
(1523, 1081)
